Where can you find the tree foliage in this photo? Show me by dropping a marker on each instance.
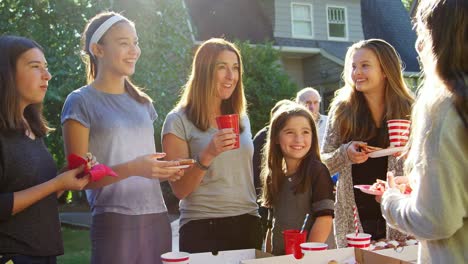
(57, 26)
(265, 81)
(167, 50)
(407, 4)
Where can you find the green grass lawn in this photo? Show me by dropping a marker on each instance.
(77, 246)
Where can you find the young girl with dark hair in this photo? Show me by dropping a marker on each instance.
(295, 181)
(436, 167)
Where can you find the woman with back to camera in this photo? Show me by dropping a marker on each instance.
(436, 210)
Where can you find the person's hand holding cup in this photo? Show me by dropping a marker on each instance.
(230, 121)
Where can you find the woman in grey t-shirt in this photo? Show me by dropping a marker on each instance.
(218, 207)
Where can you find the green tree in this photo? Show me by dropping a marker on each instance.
(56, 25)
(407, 4)
(166, 45)
(265, 81)
(167, 50)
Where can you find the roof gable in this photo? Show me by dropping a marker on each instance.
(389, 20)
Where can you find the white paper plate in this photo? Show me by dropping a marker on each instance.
(179, 167)
(385, 152)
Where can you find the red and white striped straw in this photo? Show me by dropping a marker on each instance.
(355, 220)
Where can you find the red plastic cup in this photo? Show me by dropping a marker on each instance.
(398, 132)
(292, 242)
(230, 121)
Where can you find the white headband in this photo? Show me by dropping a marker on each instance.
(102, 29)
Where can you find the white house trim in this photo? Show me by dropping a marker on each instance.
(346, 24)
(312, 35)
(291, 49)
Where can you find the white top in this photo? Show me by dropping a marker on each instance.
(321, 124)
(436, 212)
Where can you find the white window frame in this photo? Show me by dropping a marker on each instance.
(346, 23)
(311, 36)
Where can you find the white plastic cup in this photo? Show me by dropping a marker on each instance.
(310, 247)
(362, 240)
(175, 258)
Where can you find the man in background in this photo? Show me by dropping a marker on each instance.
(310, 98)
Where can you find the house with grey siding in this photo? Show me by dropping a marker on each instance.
(312, 35)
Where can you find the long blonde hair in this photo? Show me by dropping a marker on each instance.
(91, 62)
(200, 88)
(349, 107)
(273, 159)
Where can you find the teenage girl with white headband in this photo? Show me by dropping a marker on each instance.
(113, 119)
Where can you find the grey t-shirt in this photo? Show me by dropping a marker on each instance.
(120, 129)
(227, 188)
(290, 209)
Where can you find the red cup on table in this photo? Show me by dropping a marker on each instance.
(362, 240)
(229, 121)
(175, 258)
(292, 242)
(398, 132)
(310, 247)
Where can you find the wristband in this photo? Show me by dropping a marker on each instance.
(199, 165)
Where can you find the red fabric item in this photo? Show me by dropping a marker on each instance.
(97, 172)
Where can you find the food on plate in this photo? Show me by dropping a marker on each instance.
(385, 244)
(332, 262)
(368, 149)
(380, 244)
(379, 186)
(411, 242)
(90, 160)
(186, 161)
(393, 244)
